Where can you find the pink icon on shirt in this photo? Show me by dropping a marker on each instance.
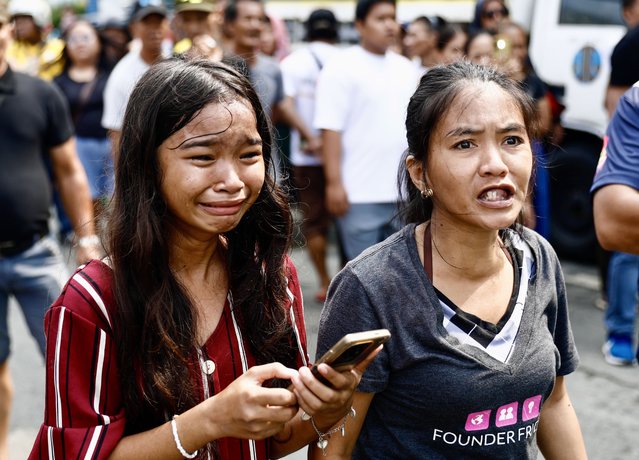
(507, 415)
(478, 421)
(531, 408)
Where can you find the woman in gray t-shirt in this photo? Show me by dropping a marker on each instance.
(476, 303)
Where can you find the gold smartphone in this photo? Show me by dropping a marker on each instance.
(351, 350)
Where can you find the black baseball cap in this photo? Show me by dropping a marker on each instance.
(321, 24)
(144, 8)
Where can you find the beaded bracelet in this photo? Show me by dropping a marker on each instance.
(178, 444)
(322, 440)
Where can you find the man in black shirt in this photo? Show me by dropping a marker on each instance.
(35, 128)
(624, 65)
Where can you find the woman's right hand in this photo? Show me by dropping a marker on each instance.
(247, 410)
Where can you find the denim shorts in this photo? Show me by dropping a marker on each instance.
(35, 278)
(366, 224)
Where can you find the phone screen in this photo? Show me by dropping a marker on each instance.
(350, 354)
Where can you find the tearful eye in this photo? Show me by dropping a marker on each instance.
(251, 155)
(202, 158)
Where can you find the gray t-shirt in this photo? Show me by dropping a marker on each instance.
(435, 397)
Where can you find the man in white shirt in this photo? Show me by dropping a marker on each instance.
(361, 102)
(148, 24)
(300, 71)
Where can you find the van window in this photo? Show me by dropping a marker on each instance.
(595, 12)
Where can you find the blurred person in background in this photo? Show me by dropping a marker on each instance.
(195, 34)
(115, 37)
(616, 213)
(624, 65)
(480, 47)
(420, 43)
(31, 51)
(35, 129)
(451, 41)
(515, 62)
(488, 15)
(361, 97)
(243, 24)
(148, 23)
(623, 268)
(300, 71)
(268, 42)
(275, 41)
(82, 82)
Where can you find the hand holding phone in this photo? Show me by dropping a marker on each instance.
(351, 350)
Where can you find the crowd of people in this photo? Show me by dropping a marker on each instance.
(181, 334)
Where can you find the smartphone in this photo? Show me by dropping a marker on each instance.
(351, 350)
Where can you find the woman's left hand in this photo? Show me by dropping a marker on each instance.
(325, 404)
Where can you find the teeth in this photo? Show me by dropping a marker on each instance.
(495, 195)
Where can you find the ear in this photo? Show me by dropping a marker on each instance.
(416, 172)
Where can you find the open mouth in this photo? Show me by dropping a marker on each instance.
(497, 196)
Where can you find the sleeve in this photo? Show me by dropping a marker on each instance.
(290, 79)
(59, 123)
(348, 309)
(114, 103)
(84, 416)
(332, 98)
(619, 160)
(279, 87)
(296, 314)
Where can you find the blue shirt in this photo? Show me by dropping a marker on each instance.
(619, 160)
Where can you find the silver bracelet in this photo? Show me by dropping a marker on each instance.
(178, 444)
(322, 440)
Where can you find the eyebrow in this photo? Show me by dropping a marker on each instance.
(467, 131)
(207, 140)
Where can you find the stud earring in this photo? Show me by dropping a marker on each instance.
(427, 193)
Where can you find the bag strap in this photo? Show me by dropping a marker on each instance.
(316, 59)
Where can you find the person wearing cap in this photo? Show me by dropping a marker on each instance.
(300, 71)
(149, 24)
(36, 128)
(30, 51)
(193, 21)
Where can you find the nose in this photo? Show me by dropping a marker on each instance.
(227, 178)
(492, 162)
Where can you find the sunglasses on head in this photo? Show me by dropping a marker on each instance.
(492, 13)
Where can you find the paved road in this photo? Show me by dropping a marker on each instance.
(606, 398)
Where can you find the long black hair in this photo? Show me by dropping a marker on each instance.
(156, 323)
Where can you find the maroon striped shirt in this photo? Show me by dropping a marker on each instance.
(84, 417)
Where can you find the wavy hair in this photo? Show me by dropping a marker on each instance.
(428, 106)
(156, 322)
